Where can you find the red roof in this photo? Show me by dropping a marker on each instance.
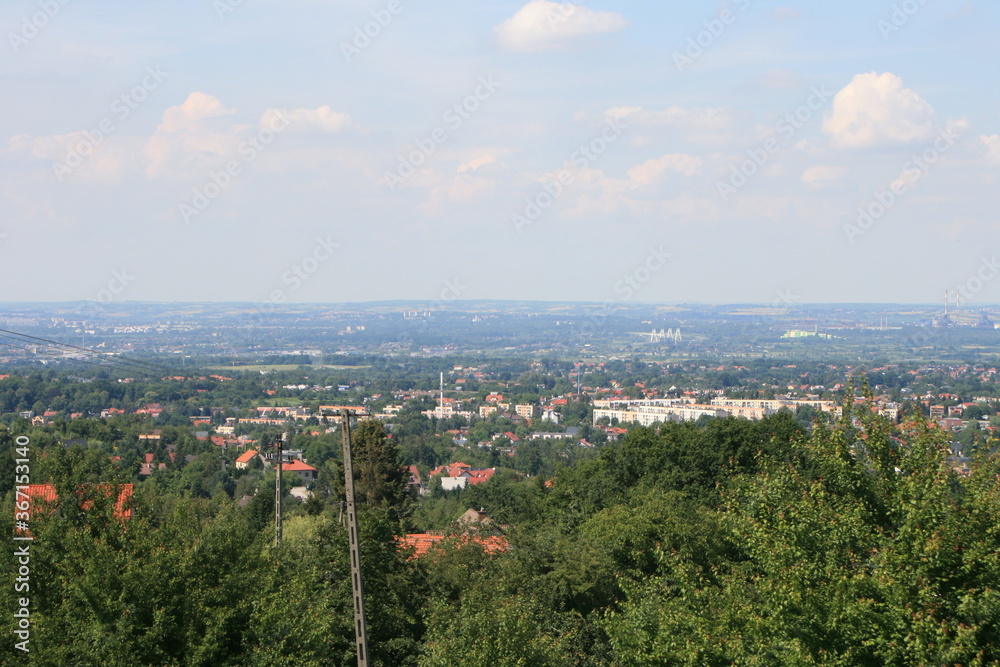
(456, 469)
(480, 476)
(414, 475)
(296, 466)
(247, 456)
(41, 495)
(421, 543)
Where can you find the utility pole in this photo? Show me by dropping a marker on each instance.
(277, 493)
(357, 583)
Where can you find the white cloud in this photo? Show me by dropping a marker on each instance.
(86, 156)
(476, 163)
(196, 135)
(875, 109)
(992, 144)
(822, 174)
(656, 169)
(464, 188)
(612, 114)
(198, 107)
(188, 133)
(322, 118)
(542, 25)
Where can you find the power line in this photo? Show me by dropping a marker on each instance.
(122, 360)
(82, 361)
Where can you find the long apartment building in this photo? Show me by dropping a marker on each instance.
(647, 412)
(650, 411)
(770, 406)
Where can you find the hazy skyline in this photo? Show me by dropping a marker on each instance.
(744, 151)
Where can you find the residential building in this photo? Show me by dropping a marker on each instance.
(526, 411)
(303, 470)
(244, 459)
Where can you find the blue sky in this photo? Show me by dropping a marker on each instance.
(261, 151)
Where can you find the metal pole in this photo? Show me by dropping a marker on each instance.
(357, 583)
(277, 495)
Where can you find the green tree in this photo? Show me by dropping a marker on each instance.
(379, 476)
(867, 550)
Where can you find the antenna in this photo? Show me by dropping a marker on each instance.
(357, 583)
(441, 410)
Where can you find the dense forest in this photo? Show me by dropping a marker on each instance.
(724, 542)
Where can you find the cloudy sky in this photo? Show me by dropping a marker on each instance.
(308, 150)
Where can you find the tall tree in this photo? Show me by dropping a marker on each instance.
(379, 477)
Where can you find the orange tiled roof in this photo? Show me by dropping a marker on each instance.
(421, 543)
(46, 494)
(247, 456)
(296, 466)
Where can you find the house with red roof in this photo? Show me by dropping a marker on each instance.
(244, 459)
(43, 499)
(151, 409)
(304, 470)
(481, 475)
(413, 482)
(423, 543)
(459, 475)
